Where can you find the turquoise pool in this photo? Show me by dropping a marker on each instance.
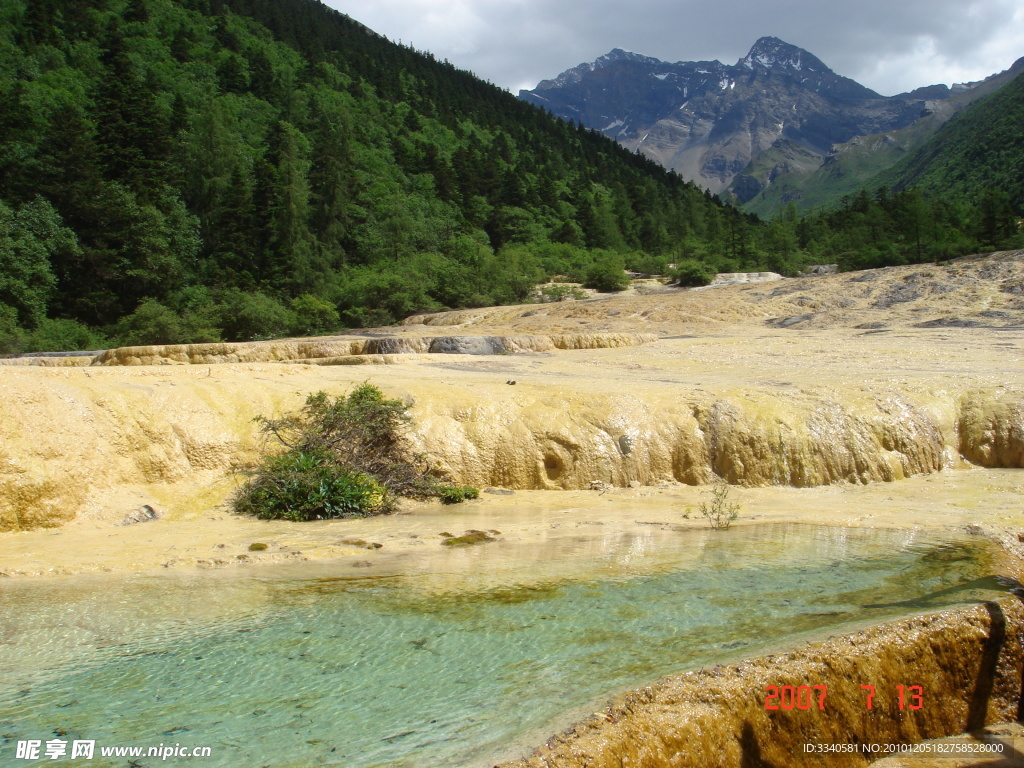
(329, 665)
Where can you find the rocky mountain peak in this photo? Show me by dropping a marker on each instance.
(576, 74)
(708, 121)
(772, 53)
(617, 54)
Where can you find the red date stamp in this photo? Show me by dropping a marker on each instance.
(795, 696)
(804, 697)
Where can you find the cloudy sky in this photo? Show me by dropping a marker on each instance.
(888, 45)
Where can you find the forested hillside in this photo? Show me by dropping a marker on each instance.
(959, 192)
(237, 169)
(977, 156)
(196, 170)
(887, 228)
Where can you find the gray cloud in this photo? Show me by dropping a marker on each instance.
(888, 45)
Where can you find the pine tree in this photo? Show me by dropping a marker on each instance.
(133, 133)
(233, 75)
(234, 246)
(39, 24)
(261, 75)
(330, 181)
(995, 220)
(181, 45)
(136, 11)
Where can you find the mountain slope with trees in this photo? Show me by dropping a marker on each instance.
(238, 169)
(977, 156)
(200, 170)
(854, 164)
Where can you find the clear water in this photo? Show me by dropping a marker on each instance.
(325, 665)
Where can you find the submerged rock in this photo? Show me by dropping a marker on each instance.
(468, 538)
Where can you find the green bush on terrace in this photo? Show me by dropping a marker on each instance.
(690, 273)
(346, 457)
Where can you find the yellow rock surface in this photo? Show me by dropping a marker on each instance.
(666, 411)
(750, 401)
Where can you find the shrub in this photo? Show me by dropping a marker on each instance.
(50, 335)
(63, 335)
(253, 316)
(12, 337)
(308, 485)
(555, 293)
(647, 264)
(346, 457)
(607, 274)
(154, 323)
(720, 511)
(690, 273)
(454, 494)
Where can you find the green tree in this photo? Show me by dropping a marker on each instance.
(313, 315)
(154, 323)
(133, 131)
(12, 335)
(295, 263)
(252, 316)
(261, 75)
(607, 274)
(995, 220)
(64, 335)
(31, 238)
(233, 74)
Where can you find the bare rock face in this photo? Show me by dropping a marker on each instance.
(336, 349)
(742, 278)
(468, 345)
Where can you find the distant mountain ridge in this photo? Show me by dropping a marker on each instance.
(713, 122)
